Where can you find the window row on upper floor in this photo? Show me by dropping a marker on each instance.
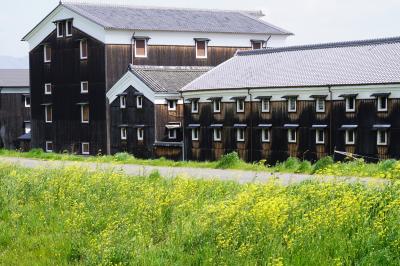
(83, 51)
(84, 112)
(84, 88)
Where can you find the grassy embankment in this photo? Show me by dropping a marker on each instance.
(325, 166)
(74, 216)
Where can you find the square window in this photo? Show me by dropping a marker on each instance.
(256, 45)
(381, 138)
(217, 106)
(85, 148)
(195, 134)
(122, 101)
(140, 133)
(172, 105)
(350, 104)
(240, 134)
(49, 146)
(48, 111)
(265, 105)
(140, 48)
(292, 135)
(124, 134)
(320, 105)
(85, 114)
(84, 87)
(139, 102)
(172, 133)
(27, 101)
(350, 137)
(47, 53)
(217, 134)
(84, 49)
(47, 88)
(201, 49)
(319, 136)
(27, 127)
(382, 104)
(265, 135)
(60, 29)
(195, 106)
(240, 105)
(292, 102)
(68, 28)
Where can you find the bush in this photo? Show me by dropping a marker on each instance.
(323, 163)
(123, 157)
(305, 167)
(229, 160)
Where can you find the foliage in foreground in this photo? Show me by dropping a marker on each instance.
(73, 216)
(325, 166)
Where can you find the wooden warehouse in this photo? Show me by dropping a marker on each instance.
(79, 51)
(15, 103)
(304, 101)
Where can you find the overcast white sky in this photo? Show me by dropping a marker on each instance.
(312, 21)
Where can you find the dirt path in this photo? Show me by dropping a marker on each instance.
(200, 173)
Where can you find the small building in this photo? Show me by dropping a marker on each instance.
(303, 101)
(15, 104)
(146, 110)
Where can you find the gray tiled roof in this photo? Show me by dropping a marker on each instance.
(167, 79)
(173, 19)
(14, 78)
(346, 63)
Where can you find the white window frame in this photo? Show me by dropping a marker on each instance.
(290, 140)
(263, 109)
(122, 101)
(172, 133)
(47, 146)
(348, 109)
(317, 105)
(145, 48)
(67, 33)
(378, 138)
(26, 104)
(82, 108)
(317, 131)
(88, 148)
(289, 100)
(215, 135)
(265, 135)
(139, 102)
(45, 55)
(58, 29)
(46, 89)
(27, 129)
(47, 120)
(215, 109)
(347, 134)
(81, 50)
(140, 133)
(195, 106)
(205, 48)
(195, 134)
(173, 108)
(238, 109)
(240, 138)
(124, 133)
(379, 101)
(82, 86)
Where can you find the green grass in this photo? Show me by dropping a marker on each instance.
(73, 216)
(325, 166)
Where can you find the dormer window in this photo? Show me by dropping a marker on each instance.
(140, 48)
(83, 49)
(201, 48)
(60, 29)
(47, 53)
(68, 28)
(139, 102)
(256, 45)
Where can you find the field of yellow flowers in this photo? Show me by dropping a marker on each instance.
(74, 216)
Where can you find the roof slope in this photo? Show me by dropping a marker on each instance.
(346, 63)
(14, 77)
(173, 19)
(167, 79)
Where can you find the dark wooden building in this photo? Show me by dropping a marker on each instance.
(79, 51)
(305, 101)
(15, 105)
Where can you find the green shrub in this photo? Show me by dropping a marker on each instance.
(387, 165)
(123, 157)
(229, 160)
(305, 167)
(323, 163)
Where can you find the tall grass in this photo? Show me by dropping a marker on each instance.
(74, 216)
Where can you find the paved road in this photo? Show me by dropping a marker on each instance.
(199, 173)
